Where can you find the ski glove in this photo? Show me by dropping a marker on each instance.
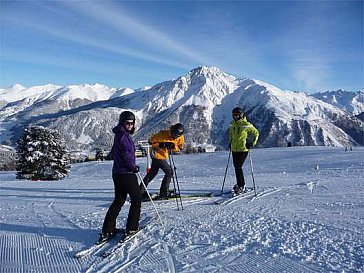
(168, 145)
(249, 145)
(136, 169)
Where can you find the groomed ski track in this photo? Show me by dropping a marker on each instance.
(154, 249)
(301, 220)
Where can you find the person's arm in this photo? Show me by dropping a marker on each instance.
(127, 154)
(179, 144)
(255, 133)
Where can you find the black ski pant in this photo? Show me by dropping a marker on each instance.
(238, 160)
(168, 173)
(124, 184)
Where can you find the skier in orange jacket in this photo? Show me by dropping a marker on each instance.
(163, 142)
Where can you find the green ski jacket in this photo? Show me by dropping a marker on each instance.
(239, 132)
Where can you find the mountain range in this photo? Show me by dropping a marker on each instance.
(202, 100)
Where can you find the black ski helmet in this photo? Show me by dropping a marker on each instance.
(238, 112)
(177, 130)
(126, 115)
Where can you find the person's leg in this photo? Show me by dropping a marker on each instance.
(114, 209)
(168, 173)
(238, 161)
(135, 202)
(149, 176)
(154, 168)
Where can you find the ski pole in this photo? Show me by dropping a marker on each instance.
(174, 183)
(251, 166)
(151, 200)
(175, 173)
(227, 165)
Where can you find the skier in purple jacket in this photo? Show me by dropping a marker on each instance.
(125, 180)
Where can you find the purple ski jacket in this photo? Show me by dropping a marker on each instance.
(123, 151)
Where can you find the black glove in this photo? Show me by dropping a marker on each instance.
(136, 169)
(249, 145)
(169, 145)
(229, 146)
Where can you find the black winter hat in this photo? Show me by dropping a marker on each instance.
(126, 115)
(238, 112)
(177, 130)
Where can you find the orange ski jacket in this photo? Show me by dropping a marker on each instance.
(165, 136)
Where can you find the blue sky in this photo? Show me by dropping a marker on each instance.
(295, 45)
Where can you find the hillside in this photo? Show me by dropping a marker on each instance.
(202, 100)
(306, 217)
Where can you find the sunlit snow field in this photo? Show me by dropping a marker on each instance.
(307, 217)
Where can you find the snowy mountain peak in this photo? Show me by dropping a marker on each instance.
(144, 88)
(352, 102)
(18, 92)
(202, 100)
(94, 92)
(206, 86)
(122, 92)
(16, 87)
(208, 72)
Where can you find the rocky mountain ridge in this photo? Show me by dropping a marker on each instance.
(202, 100)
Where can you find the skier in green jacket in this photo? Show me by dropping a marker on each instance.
(242, 136)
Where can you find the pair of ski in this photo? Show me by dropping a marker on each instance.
(98, 248)
(155, 196)
(230, 196)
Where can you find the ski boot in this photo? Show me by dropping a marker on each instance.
(107, 236)
(129, 233)
(162, 197)
(172, 194)
(238, 190)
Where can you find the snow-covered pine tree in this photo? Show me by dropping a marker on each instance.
(41, 155)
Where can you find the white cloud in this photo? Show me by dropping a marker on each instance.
(115, 17)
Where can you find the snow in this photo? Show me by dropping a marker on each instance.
(18, 92)
(92, 92)
(207, 91)
(352, 102)
(121, 92)
(6, 148)
(307, 217)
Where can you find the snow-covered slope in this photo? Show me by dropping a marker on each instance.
(189, 99)
(202, 100)
(288, 118)
(348, 101)
(18, 92)
(26, 104)
(307, 217)
(58, 97)
(94, 92)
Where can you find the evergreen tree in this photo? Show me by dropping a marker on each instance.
(41, 155)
